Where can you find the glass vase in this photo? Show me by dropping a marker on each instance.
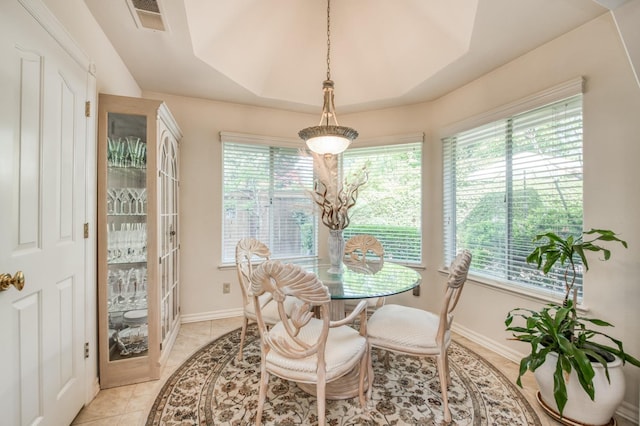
(336, 250)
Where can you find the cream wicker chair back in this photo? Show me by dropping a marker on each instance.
(303, 347)
(365, 253)
(417, 332)
(359, 245)
(248, 252)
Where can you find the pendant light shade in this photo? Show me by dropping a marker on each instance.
(328, 137)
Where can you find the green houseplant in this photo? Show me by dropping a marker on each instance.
(558, 329)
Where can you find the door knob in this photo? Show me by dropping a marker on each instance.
(7, 281)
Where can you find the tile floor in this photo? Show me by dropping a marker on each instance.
(129, 405)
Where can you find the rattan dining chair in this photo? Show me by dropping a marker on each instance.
(249, 253)
(365, 253)
(303, 347)
(361, 246)
(417, 332)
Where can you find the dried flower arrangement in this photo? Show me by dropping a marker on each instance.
(335, 201)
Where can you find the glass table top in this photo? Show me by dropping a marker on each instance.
(362, 280)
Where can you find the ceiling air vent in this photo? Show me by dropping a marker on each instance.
(147, 14)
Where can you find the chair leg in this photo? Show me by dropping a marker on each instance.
(321, 397)
(243, 335)
(370, 373)
(262, 394)
(442, 374)
(446, 367)
(385, 358)
(365, 376)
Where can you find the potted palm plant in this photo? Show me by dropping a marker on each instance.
(567, 355)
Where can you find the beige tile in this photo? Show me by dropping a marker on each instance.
(195, 328)
(136, 418)
(105, 421)
(138, 403)
(108, 403)
(147, 388)
(223, 326)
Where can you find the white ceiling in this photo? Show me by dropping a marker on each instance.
(383, 53)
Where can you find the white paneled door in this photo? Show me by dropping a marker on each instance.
(42, 211)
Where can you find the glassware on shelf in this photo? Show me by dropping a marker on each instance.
(137, 152)
(127, 290)
(127, 244)
(133, 340)
(129, 151)
(127, 201)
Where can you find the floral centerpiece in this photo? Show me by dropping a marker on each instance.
(335, 199)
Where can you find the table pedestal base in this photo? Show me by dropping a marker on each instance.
(336, 309)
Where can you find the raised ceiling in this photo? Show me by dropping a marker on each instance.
(383, 53)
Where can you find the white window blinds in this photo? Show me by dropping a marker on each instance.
(389, 204)
(505, 182)
(264, 196)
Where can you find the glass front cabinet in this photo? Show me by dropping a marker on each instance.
(138, 240)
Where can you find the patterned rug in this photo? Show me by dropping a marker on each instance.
(212, 388)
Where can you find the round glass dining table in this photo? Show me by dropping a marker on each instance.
(362, 280)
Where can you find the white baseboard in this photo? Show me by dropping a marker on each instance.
(96, 387)
(626, 410)
(490, 344)
(212, 315)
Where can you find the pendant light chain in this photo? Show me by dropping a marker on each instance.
(328, 39)
(327, 138)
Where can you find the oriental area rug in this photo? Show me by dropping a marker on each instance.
(213, 388)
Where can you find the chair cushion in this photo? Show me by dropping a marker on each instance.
(344, 349)
(269, 308)
(404, 329)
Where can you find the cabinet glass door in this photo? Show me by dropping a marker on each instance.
(127, 236)
(169, 243)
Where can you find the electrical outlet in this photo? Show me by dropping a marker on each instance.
(226, 288)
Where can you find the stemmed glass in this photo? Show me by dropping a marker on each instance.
(141, 279)
(137, 151)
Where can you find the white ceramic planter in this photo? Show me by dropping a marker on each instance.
(580, 409)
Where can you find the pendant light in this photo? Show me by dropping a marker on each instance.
(328, 137)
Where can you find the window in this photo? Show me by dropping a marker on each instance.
(389, 204)
(265, 197)
(505, 182)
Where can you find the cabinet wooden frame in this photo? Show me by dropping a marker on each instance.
(160, 124)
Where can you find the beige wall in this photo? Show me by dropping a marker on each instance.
(611, 150)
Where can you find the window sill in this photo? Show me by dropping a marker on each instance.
(228, 266)
(416, 266)
(517, 290)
